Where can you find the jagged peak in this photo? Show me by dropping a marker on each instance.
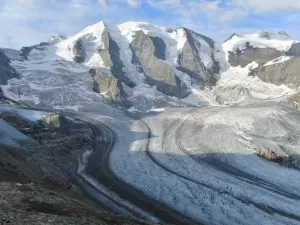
(135, 26)
(95, 29)
(56, 39)
(232, 36)
(261, 34)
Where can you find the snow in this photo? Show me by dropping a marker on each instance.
(51, 77)
(92, 41)
(278, 60)
(275, 40)
(202, 162)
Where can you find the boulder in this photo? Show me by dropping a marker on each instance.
(294, 50)
(108, 86)
(54, 121)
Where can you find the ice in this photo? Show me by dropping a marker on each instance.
(10, 136)
(278, 60)
(31, 115)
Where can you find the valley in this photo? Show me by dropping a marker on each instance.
(156, 124)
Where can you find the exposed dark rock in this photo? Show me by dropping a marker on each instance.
(250, 54)
(294, 50)
(284, 160)
(157, 72)
(25, 51)
(54, 146)
(6, 71)
(190, 62)
(160, 47)
(109, 86)
(111, 58)
(78, 51)
(231, 36)
(286, 72)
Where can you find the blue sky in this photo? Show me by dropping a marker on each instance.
(27, 22)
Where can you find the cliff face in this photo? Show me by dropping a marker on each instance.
(286, 72)
(6, 71)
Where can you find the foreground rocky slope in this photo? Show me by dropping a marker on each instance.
(32, 204)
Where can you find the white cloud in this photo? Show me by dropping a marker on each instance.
(262, 6)
(27, 22)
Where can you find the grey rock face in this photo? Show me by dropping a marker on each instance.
(25, 51)
(111, 58)
(190, 62)
(286, 72)
(6, 71)
(157, 72)
(108, 85)
(53, 120)
(160, 47)
(78, 51)
(250, 54)
(294, 50)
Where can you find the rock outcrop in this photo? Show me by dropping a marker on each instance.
(157, 72)
(78, 51)
(190, 62)
(294, 50)
(108, 86)
(110, 55)
(6, 71)
(252, 54)
(286, 72)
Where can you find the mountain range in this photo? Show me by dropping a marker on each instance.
(141, 67)
(159, 124)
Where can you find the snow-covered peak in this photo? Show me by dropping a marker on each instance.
(279, 35)
(261, 39)
(90, 40)
(95, 29)
(56, 39)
